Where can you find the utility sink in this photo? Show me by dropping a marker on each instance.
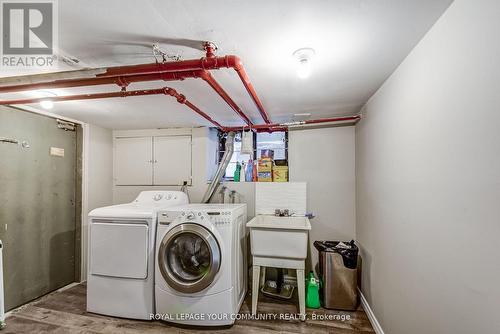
(279, 237)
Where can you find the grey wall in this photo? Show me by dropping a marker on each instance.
(99, 178)
(428, 181)
(324, 158)
(100, 167)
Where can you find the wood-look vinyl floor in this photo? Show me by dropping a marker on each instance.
(65, 312)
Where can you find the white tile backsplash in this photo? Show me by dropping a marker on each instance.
(280, 195)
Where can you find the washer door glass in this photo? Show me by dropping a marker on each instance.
(189, 258)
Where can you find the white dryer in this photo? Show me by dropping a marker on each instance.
(200, 270)
(120, 279)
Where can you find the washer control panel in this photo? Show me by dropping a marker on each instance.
(216, 217)
(219, 217)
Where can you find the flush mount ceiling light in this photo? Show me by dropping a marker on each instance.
(46, 103)
(304, 56)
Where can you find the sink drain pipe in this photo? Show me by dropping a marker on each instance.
(228, 153)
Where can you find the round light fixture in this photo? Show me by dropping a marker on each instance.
(46, 104)
(304, 56)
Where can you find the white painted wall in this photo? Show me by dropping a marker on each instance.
(324, 158)
(204, 162)
(98, 177)
(244, 193)
(428, 181)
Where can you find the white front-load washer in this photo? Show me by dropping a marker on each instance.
(120, 278)
(200, 269)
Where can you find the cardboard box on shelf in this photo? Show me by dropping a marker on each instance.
(265, 165)
(265, 177)
(280, 173)
(267, 154)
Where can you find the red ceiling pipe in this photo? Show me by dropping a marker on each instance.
(125, 80)
(280, 129)
(209, 62)
(166, 90)
(84, 96)
(168, 71)
(182, 99)
(328, 120)
(121, 81)
(281, 126)
(238, 67)
(205, 75)
(205, 63)
(176, 70)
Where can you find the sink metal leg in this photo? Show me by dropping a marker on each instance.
(302, 293)
(262, 276)
(255, 287)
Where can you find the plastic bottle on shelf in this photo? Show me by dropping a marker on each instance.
(242, 175)
(254, 172)
(249, 171)
(237, 173)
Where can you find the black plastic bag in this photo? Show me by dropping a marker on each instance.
(349, 255)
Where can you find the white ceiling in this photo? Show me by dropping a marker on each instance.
(358, 44)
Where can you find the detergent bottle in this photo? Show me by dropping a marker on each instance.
(248, 172)
(242, 172)
(254, 171)
(312, 292)
(237, 172)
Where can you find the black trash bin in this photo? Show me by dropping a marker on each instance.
(338, 273)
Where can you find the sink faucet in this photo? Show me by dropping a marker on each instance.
(282, 212)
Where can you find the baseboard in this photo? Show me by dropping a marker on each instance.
(371, 316)
(66, 287)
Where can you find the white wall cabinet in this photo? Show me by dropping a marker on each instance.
(172, 164)
(133, 161)
(152, 160)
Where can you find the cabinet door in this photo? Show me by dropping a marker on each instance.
(133, 163)
(172, 156)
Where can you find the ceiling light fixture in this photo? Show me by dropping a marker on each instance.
(304, 56)
(46, 103)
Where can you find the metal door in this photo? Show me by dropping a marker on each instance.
(189, 257)
(38, 182)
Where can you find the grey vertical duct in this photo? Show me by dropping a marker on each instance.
(228, 153)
